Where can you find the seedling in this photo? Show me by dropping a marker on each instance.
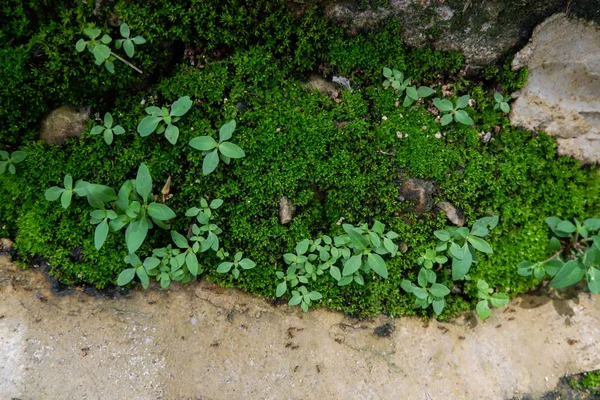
(238, 261)
(501, 102)
(395, 79)
(214, 151)
(454, 113)
(8, 161)
(161, 120)
(107, 130)
(427, 295)
(487, 296)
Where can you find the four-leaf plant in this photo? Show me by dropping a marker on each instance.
(8, 161)
(107, 130)
(214, 150)
(454, 113)
(162, 120)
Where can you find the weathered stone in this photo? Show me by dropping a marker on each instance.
(455, 215)
(286, 210)
(321, 85)
(63, 123)
(562, 95)
(420, 192)
(5, 244)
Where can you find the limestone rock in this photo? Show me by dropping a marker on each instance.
(286, 210)
(562, 95)
(64, 122)
(455, 215)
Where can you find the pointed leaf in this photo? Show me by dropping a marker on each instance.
(203, 143)
(143, 182)
(53, 193)
(462, 117)
(148, 125)
(191, 261)
(100, 234)
(136, 234)
(129, 48)
(226, 131)
(425, 91)
(210, 163)
(377, 264)
(443, 104)
(571, 273)
(352, 265)
(480, 244)
(231, 150)
(125, 276)
(181, 106)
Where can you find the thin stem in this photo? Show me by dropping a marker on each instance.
(126, 62)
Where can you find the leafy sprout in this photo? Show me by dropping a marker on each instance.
(8, 161)
(107, 130)
(161, 120)
(425, 294)
(128, 43)
(213, 150)
(452, 112)
(233, 267)
(487, 296)
(396, 80)
(501, 102)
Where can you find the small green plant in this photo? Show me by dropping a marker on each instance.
(233, 267)
(575, 255)
(98, 46)
(427, 295)
(137, 268)
(487, 297)
(501, 102)
(128, 43)
(107, 130)
(395, 79)
(454, 113)
(66, 193)
(204, 216)
(8, 161)
(303, 297)
(161, 120)
(460, 244)
(214, 150)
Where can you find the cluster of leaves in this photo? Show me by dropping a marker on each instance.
(575, 255)
(454, 112)
(457, 244)
(134, 206)
(395, 79)
(107, 130)
(348, 258)
(501, 102)
(213, 150)
(98, 46)
(487, 297)
(8, 161)
(160, 119)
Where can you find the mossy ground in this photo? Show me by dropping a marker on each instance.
(252, 61)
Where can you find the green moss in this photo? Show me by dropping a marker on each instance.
(332, 159)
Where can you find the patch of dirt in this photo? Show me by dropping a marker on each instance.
(203, 341)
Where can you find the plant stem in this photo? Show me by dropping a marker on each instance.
(126, 62)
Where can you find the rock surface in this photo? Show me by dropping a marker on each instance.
(455, 215)
(201, 341)
(481, 29)
(63, 123)
(286, 210)
(562, 95)
(420, 192)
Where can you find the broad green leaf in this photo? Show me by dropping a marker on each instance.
(118, 130)
(108, 136)
(462, 117)
(302, 246)
(553, 266)
(192, 212)
(498, 97)
(101, 52)
(483, 285)
(100, 234)
(65, 198)
(226, 131)
(295, 300)
(377, 264)
(425, 91)
(92, 33)
(591, 258)
(143, 276)
(129, 47)
(456, 251)
(53, 193)
(172, 133)
(138, 40)
(438, 305)
(566, 226)
(110, 67)
(281, 289)
(150, 263)
(133, 259)
(80, 45)
(148, 125)
(439, 290)
(420, 292)
(374, 238)
(3, 165)
(210, 163)
(592, 224)
(443, 104)
(461, 267)
(483, 310)
(407, 286)
(571, 273)
(181, 106)
(231, 150)
(480, 244)
(224, 267)
(246, 263)
(314, 296)
(387, 72)
(18, 156)
(505, 107)
(12, 169)
(108, 120)
(446, 119)
(554, 245)
(179, 240)
(593, 280)
(411, 92)
(143, 182)
(462, 101)
(396, 85)
(335, 273)
(422, 277)
(525, 268)
(192, 263)
(125, 276)
(442, 235)
(68, 182)
(499, 299)
(352, 265)
(216, 203)
(136, 234)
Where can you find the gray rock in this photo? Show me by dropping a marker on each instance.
(64, 122)
(455, 215)
(286, 210)
(321, 85)
(342, 81)
(562, 94)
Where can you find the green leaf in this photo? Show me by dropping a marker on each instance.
(335, 273)
(411, 92)
(281, 289)
(443, 104)
(210, 163)
(118, 130)
(129, 48)
(136, 234)
(314, 296)
(226, 131)
(302, 246)
(181, 106)
(108, 136)
(106, 39)
(143, 276)
(480, 244)
(554, 245)
(593, 280)
(407, 286)
(68, 182)
(352, 265)
(462, 101)
(553, 266)
(439, 290)
(179, 240)
(246, 263)
(172, 133)
(461, 267)
(442, 235)
(499, 299)
(425, 91)
(148, 125)
(438, 305)
(571, 273)
(525, 268)
(125, 276)
(462, 117)
(377, 264)
(231, 150)
(138, 40)
(53, 193)
(422, 277)
(108, 120)
(80, 45)
(505, 107)
(110, 67)
(133, 259)
(592, 257)
(65, 198)
(150, 263)
(387, 72)
(483, 310)
(100, 234)
(143, 182)
(124, 29)
(592, 224)
(92, 33)
(101, 52)
(224, 267)
(18, 156)
(295, 300)
(420, 292)
(498, 97)
(446, 119)
(192, 263)
(566, 226)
